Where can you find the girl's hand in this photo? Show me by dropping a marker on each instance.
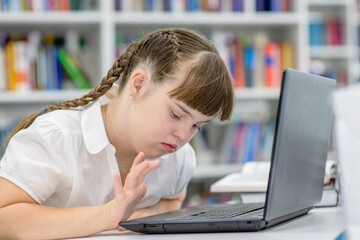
(127, 197)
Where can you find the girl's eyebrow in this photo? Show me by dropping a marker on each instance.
(187, 112)
(184, 110)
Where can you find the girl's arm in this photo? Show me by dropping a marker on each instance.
(22, 218)
(164, 205)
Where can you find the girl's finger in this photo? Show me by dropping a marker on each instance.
(137, 175)
(152, 165)
(120, 228)
(118, 187)
(138, 160)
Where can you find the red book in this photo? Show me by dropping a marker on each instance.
(239, 65)
(272, 64)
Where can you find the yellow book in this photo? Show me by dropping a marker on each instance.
(287, 57)
(10, 59)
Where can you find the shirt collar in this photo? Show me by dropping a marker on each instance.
(93, 128)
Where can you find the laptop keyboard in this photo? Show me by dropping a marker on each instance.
(224, 211)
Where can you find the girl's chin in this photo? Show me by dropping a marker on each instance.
(155, 155)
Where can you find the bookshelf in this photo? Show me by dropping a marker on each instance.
(100, 25)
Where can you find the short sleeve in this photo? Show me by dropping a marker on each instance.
(34, 160)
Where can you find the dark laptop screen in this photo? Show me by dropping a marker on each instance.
(300, 147)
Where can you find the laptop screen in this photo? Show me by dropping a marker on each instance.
(301, 139)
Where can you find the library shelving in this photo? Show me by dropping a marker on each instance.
(108, 25)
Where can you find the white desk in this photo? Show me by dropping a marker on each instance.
(320, 223)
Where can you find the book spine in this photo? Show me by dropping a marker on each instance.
(250, 57)
(3, 84)
(273, 65)
(239, 78)
(10, 65)
(72, 69)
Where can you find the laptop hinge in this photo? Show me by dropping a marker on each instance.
(289, 216)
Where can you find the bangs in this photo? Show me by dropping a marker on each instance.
(207, 87)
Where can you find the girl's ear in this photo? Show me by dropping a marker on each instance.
(138, 83)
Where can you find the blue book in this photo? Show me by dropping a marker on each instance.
(254, 141)
(246, 143)
(149, 5)
(193, 5)
(54, 68)
(59, 72)
(118, 6)
(6, 5)
(232, 63)
(250, 58)
(276, 5)
(238, 5)
(342, 236)
(168, 5)
(49, 69)
(260, 5)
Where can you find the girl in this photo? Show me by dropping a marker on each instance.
(81, 170)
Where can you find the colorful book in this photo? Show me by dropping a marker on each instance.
(272, 65)
(3, 83)
(11, 78)
(239, 76)
(72, 69)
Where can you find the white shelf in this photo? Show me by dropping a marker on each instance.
(215, 170)
(330, 52)
(40, 96)
(329, 3)
(49, 18)
(257, 94)
(156, 18)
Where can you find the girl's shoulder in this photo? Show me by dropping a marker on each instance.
(66, 121)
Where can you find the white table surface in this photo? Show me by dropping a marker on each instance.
(319, 223)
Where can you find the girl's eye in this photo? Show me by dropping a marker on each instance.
(175, 116)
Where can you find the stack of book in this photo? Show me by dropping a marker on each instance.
(256, 62)
(253, 61)
(273, 5)
(236, 144)
(326, 30)
(47, 5)
(35, 62)
(180, 5)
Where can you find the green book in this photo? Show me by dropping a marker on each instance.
(72, 69)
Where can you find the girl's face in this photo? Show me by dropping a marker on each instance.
(162, 124)
(155, 124)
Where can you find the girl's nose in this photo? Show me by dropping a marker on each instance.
(182, 133)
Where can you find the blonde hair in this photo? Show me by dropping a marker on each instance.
(207, 87)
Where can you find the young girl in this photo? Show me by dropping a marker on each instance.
(82, 169)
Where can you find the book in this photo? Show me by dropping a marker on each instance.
(2, 68)
(239, 73)
(252, 178)
(273, 69)
(72, 69)
(11, 76)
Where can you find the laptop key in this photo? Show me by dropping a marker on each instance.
(225, 211)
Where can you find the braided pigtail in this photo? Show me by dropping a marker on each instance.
(120, 65)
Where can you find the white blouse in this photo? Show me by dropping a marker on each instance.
(65, 159)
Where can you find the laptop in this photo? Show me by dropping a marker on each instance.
(296, 177)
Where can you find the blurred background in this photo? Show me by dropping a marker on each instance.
(55, 50)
